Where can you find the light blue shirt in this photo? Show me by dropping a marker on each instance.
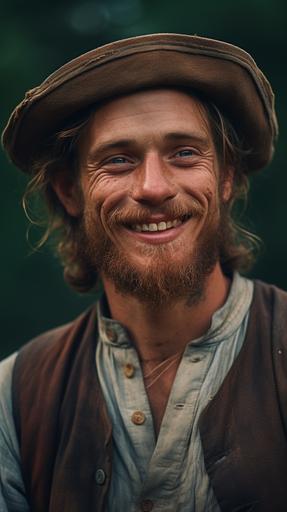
(169, 472)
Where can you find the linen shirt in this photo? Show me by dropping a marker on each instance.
(168, 474)
(147, 475)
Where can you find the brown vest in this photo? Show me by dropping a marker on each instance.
(65, 433)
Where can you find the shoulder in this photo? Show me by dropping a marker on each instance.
(270, 297)
(269, 312)
(267, 289)
(43, 367)
(12, 490)
(55, 341)
(46, 360)
(275, 299)
(6, 415)
(9, 448)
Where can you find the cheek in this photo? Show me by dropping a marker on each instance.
(105, 204)
(105, 193)
(204, 189)
(210, 189)
(111, 203)
(210, 193)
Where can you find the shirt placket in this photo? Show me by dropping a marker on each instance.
(162, 484)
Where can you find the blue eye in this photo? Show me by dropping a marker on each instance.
(185, 153)
(117, 160)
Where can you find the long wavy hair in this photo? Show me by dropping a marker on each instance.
(238, 246)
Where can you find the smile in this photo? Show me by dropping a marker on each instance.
(159, 226)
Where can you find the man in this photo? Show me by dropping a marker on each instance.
(169, 394)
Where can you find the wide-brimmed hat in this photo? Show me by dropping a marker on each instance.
(221, 72)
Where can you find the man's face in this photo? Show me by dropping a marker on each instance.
(151, 195)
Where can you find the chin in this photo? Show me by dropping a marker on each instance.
(160, 281)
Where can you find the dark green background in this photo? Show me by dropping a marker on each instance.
(37, 37)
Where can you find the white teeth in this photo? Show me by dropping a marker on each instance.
(161, 226)
(152, 227)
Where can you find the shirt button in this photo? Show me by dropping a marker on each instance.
(100, 476)
(146, 505)
(111, 335)
(138, 418)
(196, 359)
(129, 370)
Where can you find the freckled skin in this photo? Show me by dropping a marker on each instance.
(150, 171)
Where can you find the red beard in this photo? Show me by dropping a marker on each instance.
(161, 281)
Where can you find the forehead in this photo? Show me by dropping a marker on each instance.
(150, 112)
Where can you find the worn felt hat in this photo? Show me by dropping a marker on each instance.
(223, 73)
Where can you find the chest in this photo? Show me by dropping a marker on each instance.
(157, 446)
(158, 385)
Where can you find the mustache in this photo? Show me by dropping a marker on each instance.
(141, 214)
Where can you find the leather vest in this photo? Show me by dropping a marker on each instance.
(65, 434)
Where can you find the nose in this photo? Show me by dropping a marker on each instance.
(153, 182)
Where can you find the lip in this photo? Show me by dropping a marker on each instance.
(158, 237)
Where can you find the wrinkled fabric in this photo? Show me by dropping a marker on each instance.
(175, 463)
(170, 471)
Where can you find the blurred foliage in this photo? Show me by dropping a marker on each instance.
(38, 37)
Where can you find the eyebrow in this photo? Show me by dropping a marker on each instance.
(111, 144)
(195, 136)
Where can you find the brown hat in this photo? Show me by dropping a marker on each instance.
(223, 73)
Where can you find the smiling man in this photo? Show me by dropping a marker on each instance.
(150, 196)
(168, 394)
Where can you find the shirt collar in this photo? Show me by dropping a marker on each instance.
(224, 321)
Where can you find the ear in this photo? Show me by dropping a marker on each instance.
(68, 191)
(227, 184)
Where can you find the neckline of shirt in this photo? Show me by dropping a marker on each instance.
(225, 321)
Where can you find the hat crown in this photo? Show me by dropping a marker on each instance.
(224, 73)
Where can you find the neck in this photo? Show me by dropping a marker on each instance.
(160, 332)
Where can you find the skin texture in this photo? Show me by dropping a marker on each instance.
(146, 158)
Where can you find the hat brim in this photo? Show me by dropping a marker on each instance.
(223, 73)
